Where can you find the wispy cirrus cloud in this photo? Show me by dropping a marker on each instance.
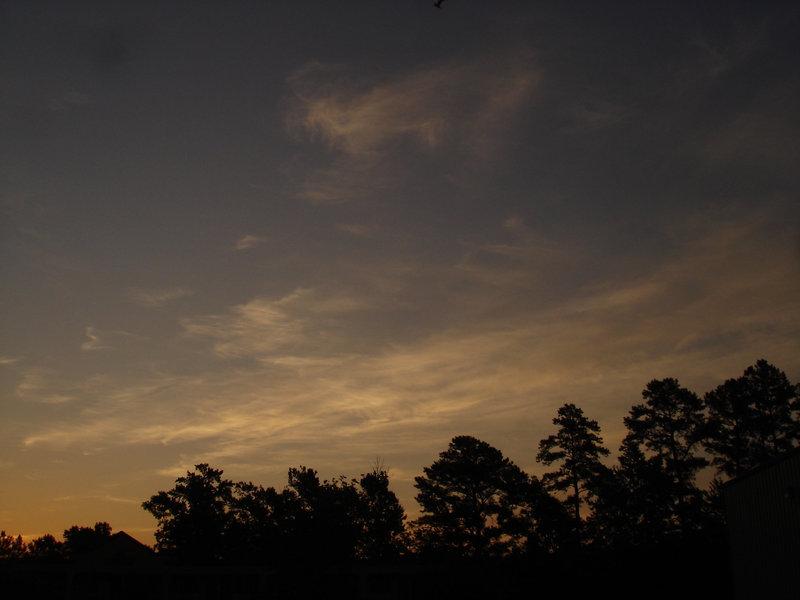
(257, 328)
(316, 387)
(99, 339)
(461, 108)
(249, 241)
(102, 498)
(154, 298)
(358, 229)
(40, 385)
(264, 329)
(93, 342)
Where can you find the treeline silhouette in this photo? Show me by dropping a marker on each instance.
(77, 542)
(582, 526)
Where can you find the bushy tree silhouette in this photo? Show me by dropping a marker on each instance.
(81, 540)
(194, 516)
(633, 502)
(325, 515)
(471, 497)
(382, 517)
(46, 547)
(11, 547)
(547, 524)
(751, 419)
(668, 428)
(207, 518)
(262, 525)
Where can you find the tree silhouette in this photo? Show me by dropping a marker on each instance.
(547, 524)
(10, 546)
(382, 516)
(345, 519)
(46, 547)
(81, 540)
(194, 516)
(669, 425)
(325, 515)
(258, 529)
(472, 495)
(633, 502)
(578, 447)
(207, 518)
(752, 419)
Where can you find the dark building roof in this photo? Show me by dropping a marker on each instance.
(788, 455)
(120, 549)
(763, 510)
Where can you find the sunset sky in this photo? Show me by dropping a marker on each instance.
(268, 234)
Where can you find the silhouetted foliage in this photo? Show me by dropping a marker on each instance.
(11, 547)
(81, 540)
(473, 496)
(547, 524)
(258, 529)
(46, 547)
(751, 419)
(207, 518)
(578, 447)
(503, 529)
(326, 519)
(334, 521)
(382, 517)
(669, 425)
(194, 516)
(633, 506)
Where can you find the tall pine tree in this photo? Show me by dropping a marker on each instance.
(578, 447)
(668, 427)
(752, 419)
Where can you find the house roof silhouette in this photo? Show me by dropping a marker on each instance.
(120, 549)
